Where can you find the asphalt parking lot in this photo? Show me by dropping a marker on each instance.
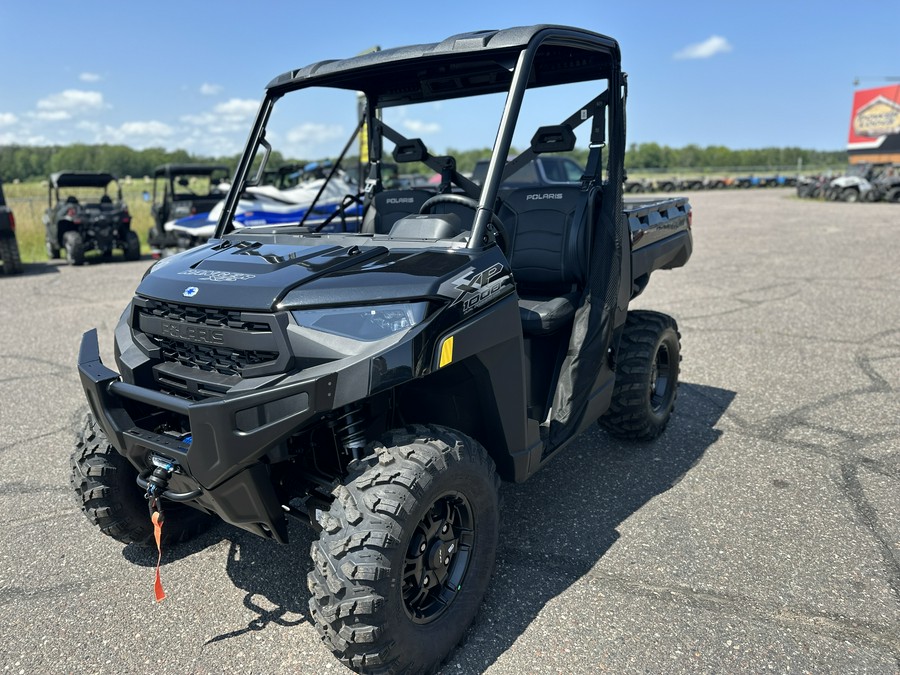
(760, 532)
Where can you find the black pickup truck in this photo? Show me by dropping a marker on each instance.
(378, 385)
(542, 170)
(9, 247)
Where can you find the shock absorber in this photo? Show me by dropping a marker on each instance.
(349, 429)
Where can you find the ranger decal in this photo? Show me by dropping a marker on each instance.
(477, 288)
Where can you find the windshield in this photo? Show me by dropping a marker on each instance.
(87, 196)
(313, 167)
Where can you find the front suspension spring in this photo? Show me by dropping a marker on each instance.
(350, 429)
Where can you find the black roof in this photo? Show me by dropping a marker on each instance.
(189, 169)
(62, 179)
(464, 64)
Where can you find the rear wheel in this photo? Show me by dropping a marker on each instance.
(74, 248)
(132, 246)
(406, 551)
(646, 377)
(52, 250)
(111, 499)
(9, 254)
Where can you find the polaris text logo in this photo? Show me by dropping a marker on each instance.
(217, 275)
(190, 291)
(544, 195)
(400, 200)
(180, 331)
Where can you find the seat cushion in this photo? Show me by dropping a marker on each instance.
(541, 316)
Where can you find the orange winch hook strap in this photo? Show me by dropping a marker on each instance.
(157, 533)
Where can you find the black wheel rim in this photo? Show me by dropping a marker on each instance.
(438, 557)
(660, 378)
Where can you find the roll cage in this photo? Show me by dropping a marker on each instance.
(485, 62)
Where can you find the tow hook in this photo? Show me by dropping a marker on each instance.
(155, 483)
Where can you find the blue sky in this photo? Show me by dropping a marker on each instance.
(190, 74)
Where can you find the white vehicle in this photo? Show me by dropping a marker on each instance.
(320, 195)
(857, 185)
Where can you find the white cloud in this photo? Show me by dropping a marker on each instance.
(89, 77)
(238, 108)
(225, 118)
(203, 143)
(52, 115)
(208, 89)
(7, 119)
(72, 100)
(715, 44)
(151, 128)
(312, 133)
(18, 138)
(420, 128)
(135, 134)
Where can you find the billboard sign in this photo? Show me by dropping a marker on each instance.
(875, 126)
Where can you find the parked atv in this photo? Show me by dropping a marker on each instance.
(379, 384)
(858, 184)
(181, 190)
(9, 247)
(85, 218)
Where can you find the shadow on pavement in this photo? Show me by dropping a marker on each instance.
(274, 577)
(558, 525)
(34, 269)
(554, 529)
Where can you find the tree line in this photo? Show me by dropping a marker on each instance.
(26, 162)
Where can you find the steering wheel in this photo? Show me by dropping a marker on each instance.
(464, 200)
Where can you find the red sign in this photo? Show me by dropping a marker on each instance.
(875, 122)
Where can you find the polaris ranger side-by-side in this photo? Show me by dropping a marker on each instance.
(379, 384)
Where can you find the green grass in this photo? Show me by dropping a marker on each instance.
(28, 202)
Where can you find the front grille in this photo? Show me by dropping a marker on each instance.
(209, 316)
(198, 338)
(220, 360)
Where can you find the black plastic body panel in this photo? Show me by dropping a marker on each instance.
(229, 435)
(660, 235)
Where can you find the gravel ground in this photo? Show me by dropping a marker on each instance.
(760, 532)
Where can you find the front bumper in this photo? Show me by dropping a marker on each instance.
(229, 437)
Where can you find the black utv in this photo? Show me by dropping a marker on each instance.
(9, 247)
(181, 190)
(81, 216)
(379, 385)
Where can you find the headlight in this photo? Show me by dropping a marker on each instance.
(363, 323)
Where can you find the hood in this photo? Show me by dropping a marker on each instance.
(256, 274)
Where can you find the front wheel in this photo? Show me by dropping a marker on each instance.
(646, 377)
(406, 551)
(105, 484)
(850, 195)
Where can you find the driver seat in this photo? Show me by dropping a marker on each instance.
(389, 206)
